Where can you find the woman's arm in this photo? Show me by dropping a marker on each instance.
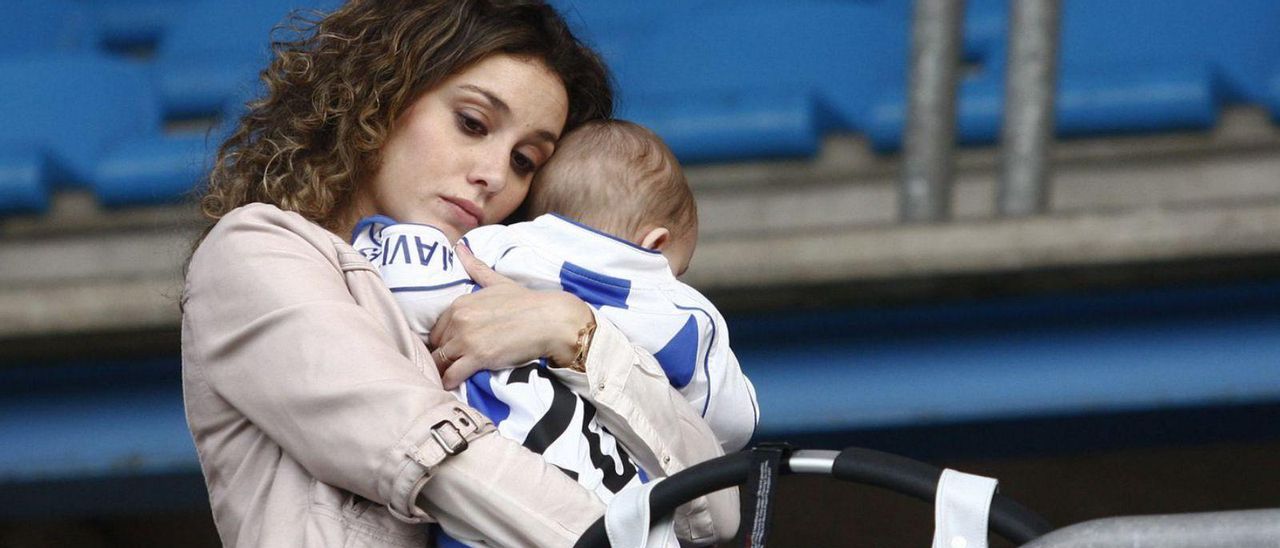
(276, 331)
(636, 402)
(506, 323)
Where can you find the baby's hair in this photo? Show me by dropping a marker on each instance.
(616, 176)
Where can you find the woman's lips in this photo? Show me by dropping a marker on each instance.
(467, 214)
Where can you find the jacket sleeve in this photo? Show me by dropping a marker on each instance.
(279, 335)
(662, 431)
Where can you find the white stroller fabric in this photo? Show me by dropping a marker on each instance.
(626, 520)
(961, 508)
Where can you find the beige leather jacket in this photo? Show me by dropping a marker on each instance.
(320, 419)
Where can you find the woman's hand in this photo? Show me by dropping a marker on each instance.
(503, 325)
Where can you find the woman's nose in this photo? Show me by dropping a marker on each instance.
(490, 172)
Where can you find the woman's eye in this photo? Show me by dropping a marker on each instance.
(522, 163)
(471, 125)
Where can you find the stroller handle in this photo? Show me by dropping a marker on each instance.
(896, 473)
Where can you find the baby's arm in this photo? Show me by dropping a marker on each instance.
(418, 265)
(733, 412)
(721, 391)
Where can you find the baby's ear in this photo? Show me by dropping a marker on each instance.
(656, 239)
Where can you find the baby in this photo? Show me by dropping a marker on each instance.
(614, 223)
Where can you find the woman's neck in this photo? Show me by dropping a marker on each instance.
(346, 218)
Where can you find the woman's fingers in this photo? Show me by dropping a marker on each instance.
(504, 326)
(443, 358)
(480, 273)
(439, 334)
(458, 372)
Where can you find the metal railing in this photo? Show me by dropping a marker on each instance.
(1242, 528)
(1027, 130)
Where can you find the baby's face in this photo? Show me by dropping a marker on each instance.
(680, 251)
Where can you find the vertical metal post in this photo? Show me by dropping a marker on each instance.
(925, 192)
(1029, 107)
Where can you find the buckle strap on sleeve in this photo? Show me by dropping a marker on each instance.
(450, 436)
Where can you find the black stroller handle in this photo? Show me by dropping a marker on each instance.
(896, 473)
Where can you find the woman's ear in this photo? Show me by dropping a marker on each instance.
(656, 239)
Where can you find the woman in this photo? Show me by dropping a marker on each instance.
(319, 418)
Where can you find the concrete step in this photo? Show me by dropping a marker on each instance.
(795, 228)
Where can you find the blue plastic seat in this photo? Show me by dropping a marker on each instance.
(135, 22)
(1125, 66)
(30, 26)
(727, 81)
(164, 168)
(61, 113)
(23, 180)
(154, 171)
(215, 49)
(1273, 97)
(737, 80)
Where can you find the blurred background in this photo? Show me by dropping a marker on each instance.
(1040, 244)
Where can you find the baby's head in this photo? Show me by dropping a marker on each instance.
(620, 178)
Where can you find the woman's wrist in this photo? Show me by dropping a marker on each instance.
(572, 340)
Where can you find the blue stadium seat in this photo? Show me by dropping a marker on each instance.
(754, 123)
(1091, 101)
(151, 171)
(1125, 66)
(614, 27)
(164, 168)
(30, 26)
(720, 80)
(61, 113)
(23, 176)
(134, 22)
(1274, 97)
(216, 48)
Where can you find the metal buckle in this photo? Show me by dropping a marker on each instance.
(449, 448)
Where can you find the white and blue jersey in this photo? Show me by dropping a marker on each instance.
(631, 286)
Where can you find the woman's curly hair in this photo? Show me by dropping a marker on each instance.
(334, 92)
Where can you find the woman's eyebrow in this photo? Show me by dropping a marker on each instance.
(501, 106)
(497, 103)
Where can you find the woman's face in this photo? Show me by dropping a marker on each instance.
(462, 155)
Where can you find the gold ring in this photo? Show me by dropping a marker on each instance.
(441, 356)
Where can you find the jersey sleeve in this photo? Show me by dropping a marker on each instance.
(719, 388)
(418, 265)
(488, 243)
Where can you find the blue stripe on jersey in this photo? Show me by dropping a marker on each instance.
(706, 360)
(644, 478)
(593, 287)
(443, 540)
(679, 358)
(369, 222)
(480, 396)
(430, 287)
